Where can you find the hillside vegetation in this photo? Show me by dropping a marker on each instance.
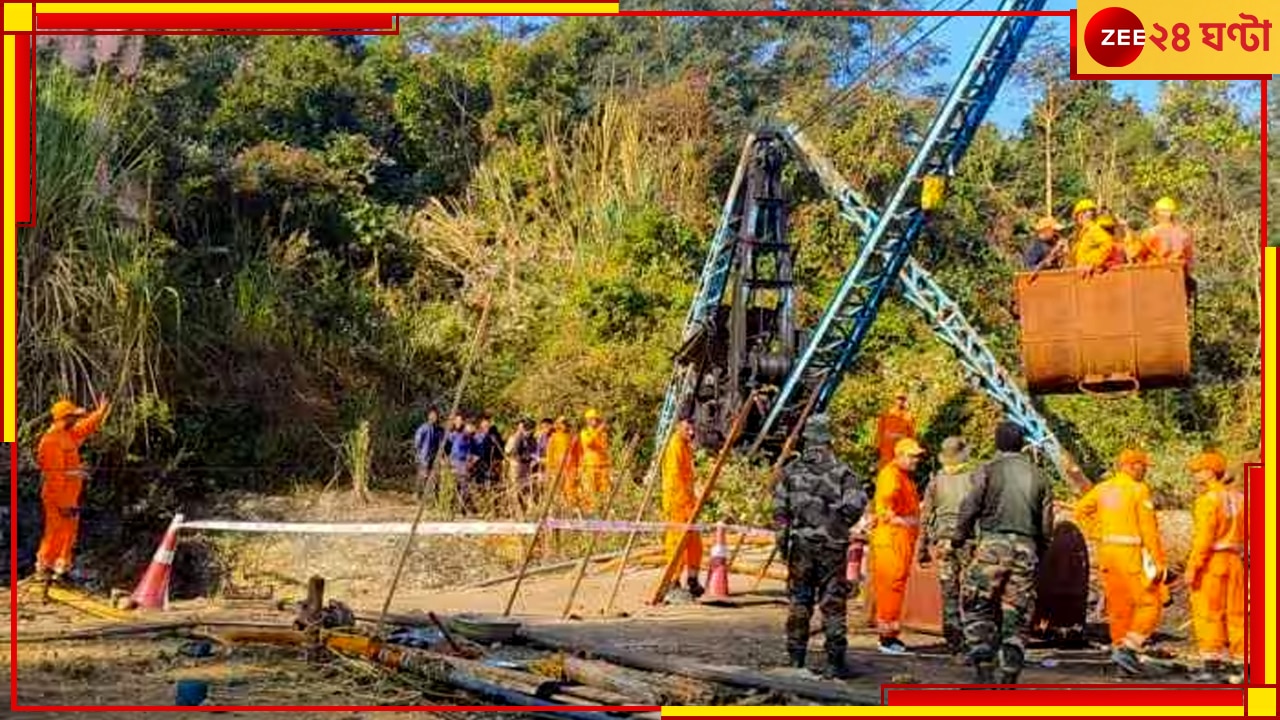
(260, 245)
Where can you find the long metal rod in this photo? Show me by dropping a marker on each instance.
(606, 514)
(669, 573)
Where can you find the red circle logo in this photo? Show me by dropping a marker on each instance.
(1114, 37)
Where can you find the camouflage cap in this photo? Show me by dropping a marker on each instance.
(818, 428)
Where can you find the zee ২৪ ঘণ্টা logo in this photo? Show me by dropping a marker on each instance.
(1114, 37)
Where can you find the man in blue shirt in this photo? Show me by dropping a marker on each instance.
(426, 445)
(1047, 250)
(462, 458)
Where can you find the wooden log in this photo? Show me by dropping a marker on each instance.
(596, 696)
(263, 636)
(117, 630)
(642, 686)
(830, 693)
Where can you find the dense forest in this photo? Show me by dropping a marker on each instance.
(274, 252)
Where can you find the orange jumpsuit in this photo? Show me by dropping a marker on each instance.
(678, 500)
(1215, 572)
(58, 456)
(1169, 242)
(893, 426)
(563, 451)
(596, 466)
(1119, 513)
(893, 541)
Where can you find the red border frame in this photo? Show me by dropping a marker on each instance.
(321, 24)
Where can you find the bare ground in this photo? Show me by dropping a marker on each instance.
(358, 570)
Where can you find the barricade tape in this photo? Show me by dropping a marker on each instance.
(457, 528)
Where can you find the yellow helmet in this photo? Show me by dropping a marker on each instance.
(65, 408)
(1107, 222)
(591, 414)
(1166, 204)
(1083, 206)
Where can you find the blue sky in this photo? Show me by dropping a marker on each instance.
(1013, 103)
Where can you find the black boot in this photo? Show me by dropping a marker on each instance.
(695, 588)
(797, 658)
(837, 665)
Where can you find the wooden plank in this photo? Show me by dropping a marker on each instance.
(829, 692)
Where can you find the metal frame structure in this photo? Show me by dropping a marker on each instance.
(883, 261)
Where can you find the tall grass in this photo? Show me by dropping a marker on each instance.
(93, 302)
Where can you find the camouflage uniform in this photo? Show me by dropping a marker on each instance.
(816, 503)
(1013, 507)
(942, 500)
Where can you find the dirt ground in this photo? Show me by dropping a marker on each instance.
(358, 570)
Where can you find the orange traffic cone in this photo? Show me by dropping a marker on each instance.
(718, 571)
(153, 590)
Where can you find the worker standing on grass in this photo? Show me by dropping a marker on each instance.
(426, 445)
(894, 424)
(893, 540)
(1120, 513)
(62, 482)
(596, 465)
(816, 503)
(941, 510)
(546, 426)
(678, 501)
(1012, 506)
(462, 457)
(1215, 567)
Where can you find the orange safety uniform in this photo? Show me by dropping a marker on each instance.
(1215, 572)
(893, 426)
(1120, 515)
(596, 466)
(58, 456)
(893, 541)
(1098, 249)
(563, 451)
(678, 500)
(1169, 242)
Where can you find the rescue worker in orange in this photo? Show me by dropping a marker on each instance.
(1168, 240)
(596, 465)
(895, 424)
(563, 458)
(1098, 250)
(63, 476)
(1119, 512)
(678, 501)
(1215, 567)
(893, 540)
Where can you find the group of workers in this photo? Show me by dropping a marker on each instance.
(988, 528)
(531, 457)
(1101, 241)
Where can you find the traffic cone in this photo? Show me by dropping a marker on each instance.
(153, 590)
(718, 571)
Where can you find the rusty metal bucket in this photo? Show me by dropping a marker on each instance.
(1125, 329)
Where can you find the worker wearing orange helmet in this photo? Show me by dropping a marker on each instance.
(564, 456)
(596, 465)
(63, 476)
(1120, 514)
(894, 424)
(893, 539)
(678, 501)
(1215, 566)
(1168, 240)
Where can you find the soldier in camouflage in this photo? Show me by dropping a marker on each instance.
(1012, 506)
(816, 503)
(941, 509)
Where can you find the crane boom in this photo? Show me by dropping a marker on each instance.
(949, 323)
(849, 316)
